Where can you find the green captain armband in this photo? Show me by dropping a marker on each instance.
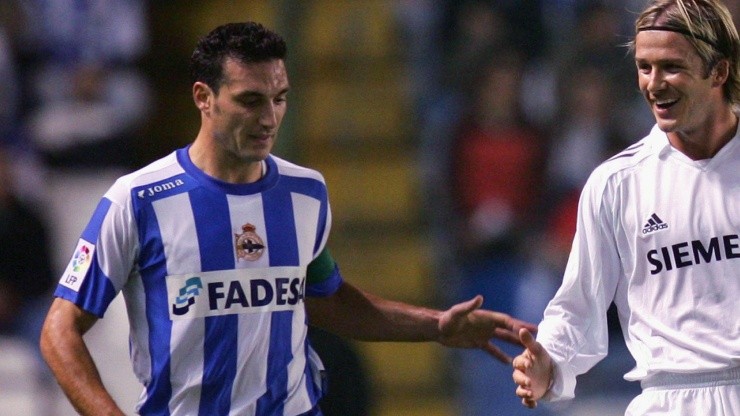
(321, 268)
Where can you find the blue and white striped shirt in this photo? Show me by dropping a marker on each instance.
(214, 277)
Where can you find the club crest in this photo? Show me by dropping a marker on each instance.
(249, 246)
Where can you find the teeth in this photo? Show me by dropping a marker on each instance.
(665, 102)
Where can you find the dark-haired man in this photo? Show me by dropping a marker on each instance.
(220, 252)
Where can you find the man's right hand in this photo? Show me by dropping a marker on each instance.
(532, 370)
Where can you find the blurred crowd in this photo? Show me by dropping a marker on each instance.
(75, 97)
(514, 103)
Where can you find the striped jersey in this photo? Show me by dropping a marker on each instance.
(657, 234)
(214, 277)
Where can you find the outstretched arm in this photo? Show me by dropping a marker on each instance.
(67, 355)
(353, 313)
(532, 370)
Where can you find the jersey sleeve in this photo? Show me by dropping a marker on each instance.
(323, 277)
(103, 258)
(574, 330)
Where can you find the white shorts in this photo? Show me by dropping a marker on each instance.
(706, 394)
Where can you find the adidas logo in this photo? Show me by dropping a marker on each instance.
(654, 223)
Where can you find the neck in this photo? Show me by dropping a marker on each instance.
(705, 143)
(224, 166)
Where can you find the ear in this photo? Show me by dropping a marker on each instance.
(202, 96)
(720, 73)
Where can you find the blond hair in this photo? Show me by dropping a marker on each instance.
(708, 25)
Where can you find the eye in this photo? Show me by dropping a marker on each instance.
(644, 68)
(250, 102)
(673, 68)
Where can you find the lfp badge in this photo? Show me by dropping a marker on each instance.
(77, 268)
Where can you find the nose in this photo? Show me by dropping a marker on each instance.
(656, 80)
(268, 117)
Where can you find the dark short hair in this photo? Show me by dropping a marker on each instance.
(247, 42)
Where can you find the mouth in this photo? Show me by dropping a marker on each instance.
(665, 104)
(262, 137)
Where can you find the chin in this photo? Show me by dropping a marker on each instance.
(254, 155)
(666, 125)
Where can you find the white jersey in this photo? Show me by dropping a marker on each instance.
(214, 277)
(657, 234)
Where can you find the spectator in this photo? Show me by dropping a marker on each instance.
(496, 186)
(26, 277)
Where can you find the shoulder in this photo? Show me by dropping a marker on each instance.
(286, 168)
(605, 181)
(629, 160)
(158, 172)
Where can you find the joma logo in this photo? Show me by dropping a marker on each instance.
(153, 190)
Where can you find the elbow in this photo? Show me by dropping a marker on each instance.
(63, 325)
(46, 340)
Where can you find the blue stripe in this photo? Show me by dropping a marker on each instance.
(220, 345)
(280, 227)
(96, 291)
(153, 267)
(92, 231)
(96, 283)
(314, 392)
(313, 412)
(306, 186)
(278, 358)
(283, 250)
(314, 189)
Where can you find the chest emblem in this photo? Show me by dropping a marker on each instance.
(654, 223)
(249, 245)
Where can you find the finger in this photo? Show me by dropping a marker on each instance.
(517, 324)
(524, 392)
(496, 353)
(520, 379)
(521, 362)
(526, 396)
(507, 336)
(466, 307)
(529, 403)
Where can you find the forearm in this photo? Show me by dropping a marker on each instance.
(69, 359)
(355, 314)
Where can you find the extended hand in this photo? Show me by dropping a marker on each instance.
(532, 370)
(466, 326)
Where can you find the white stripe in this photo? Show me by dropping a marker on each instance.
(177, 227)
(254, 329)
(251, 366)
(305, 212)
(248, 209)
(298, 400)
(133, 295)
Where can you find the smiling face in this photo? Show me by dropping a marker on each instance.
(242, 119)
(672, 77)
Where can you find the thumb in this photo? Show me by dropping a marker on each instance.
(454, 316)
(464, 308)
(529, 342)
